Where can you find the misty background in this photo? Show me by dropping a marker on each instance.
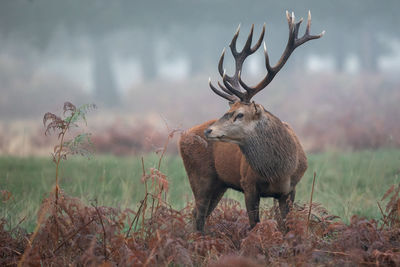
(146, 64)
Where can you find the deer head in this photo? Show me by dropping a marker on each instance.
(245, 116)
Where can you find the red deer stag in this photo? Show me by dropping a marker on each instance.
(258, 154)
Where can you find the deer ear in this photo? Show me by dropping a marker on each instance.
(256, 109)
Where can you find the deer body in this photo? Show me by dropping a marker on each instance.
(268, 164)
(248, 149)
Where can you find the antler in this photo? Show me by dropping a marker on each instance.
(231, 90)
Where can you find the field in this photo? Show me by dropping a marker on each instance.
(100, 182)
(347, 183)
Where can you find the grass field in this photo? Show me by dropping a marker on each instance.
(347, 183)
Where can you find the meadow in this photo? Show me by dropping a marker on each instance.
(347, 183)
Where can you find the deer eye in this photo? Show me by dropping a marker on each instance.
(238, 116)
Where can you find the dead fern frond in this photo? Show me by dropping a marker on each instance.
(75, 146)
(68, 106)
(392, 216)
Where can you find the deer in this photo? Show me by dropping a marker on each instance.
(248, 149)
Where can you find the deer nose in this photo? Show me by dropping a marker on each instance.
(207, 131)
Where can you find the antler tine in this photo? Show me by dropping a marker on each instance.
(224, 89)
(306, 37)
(258, 44)
(245, 86)
(267, 64)
(297, 27)
(221, 63)
(246, 48)
(231, 87)
(232, 45)
(231, 98)
(290, 19)
(235, 54)
(308, 22)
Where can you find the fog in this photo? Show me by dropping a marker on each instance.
(148, 62)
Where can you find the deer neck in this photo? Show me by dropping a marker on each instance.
(271, 150)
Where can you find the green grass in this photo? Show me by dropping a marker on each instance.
(347, 183)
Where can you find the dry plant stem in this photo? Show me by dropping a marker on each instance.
(333, 252)
(12, 250)
(383, 214)
(73, 234)
(32, 238)
(143, 214)
(170, 135)
(64, 131)
(161, 157)
(104, 234)
(144, 174)
(136, 217)
(156, 198)
(309, 210)
(152, 206)
(144, 201)
(152, 253)
(162, 153)
(228, 238)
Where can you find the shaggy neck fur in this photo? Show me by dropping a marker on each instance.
(271, 150)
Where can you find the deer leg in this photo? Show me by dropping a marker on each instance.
(285, 203)
(252, 200)
(216, 197)
(203, 197)
(200, 212)
(292, 195)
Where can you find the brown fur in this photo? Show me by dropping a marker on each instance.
(268, 162)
